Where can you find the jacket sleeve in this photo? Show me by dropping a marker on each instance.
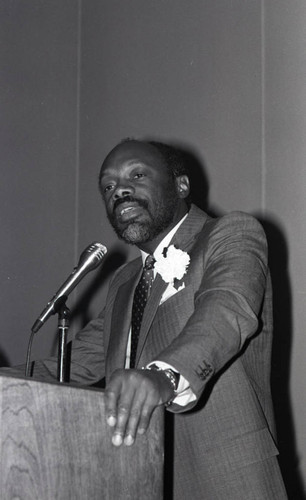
(227, 303)
(87, 355)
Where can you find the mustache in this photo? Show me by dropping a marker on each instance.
(119, 201)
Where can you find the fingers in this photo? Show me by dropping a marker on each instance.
(128, 414)
(132, 425)
(140, 415)
(130, 398)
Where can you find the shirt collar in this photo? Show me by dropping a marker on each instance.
(164, 243)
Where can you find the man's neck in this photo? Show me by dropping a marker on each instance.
(150, 246)
(164, 242)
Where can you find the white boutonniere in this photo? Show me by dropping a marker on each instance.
(172, 264)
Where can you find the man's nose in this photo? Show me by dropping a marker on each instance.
(122, 190)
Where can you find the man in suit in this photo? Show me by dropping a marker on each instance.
(203, 344)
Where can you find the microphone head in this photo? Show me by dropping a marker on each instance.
(93, 255)
(90, 258)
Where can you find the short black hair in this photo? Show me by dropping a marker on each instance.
(173, 158)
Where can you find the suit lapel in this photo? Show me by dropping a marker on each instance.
(158, 288)
(184, 239)
(121, 322)
(186, 234)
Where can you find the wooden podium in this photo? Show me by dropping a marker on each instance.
(55, 444)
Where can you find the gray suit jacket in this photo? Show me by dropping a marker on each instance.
(217, 332)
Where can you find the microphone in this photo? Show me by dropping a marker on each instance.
(90, 258)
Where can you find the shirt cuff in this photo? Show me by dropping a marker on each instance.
(184, 393)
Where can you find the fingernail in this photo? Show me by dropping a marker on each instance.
(117, 440)
(129, 440)
(141, 431)
(111, 421)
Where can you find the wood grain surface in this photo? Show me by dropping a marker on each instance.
(55, 444)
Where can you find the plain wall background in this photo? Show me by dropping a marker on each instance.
(39, 162)
(224, 80)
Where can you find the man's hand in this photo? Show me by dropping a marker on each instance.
(130, 398)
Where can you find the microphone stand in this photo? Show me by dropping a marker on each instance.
(63, 325)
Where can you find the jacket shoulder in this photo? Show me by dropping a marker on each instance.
(236, 221)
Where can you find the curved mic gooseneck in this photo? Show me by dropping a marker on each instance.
(90, 258)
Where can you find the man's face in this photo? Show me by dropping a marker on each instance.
(141, 196)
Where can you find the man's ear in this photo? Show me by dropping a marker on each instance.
(182, 186)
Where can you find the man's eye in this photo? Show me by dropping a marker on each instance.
(138, 175)
(107, 188)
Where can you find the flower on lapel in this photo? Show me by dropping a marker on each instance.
(172, 264)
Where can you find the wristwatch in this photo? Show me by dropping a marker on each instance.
(173, 377)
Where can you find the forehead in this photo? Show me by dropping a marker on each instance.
(132, 153)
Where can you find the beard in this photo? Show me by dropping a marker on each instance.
(157, 219)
